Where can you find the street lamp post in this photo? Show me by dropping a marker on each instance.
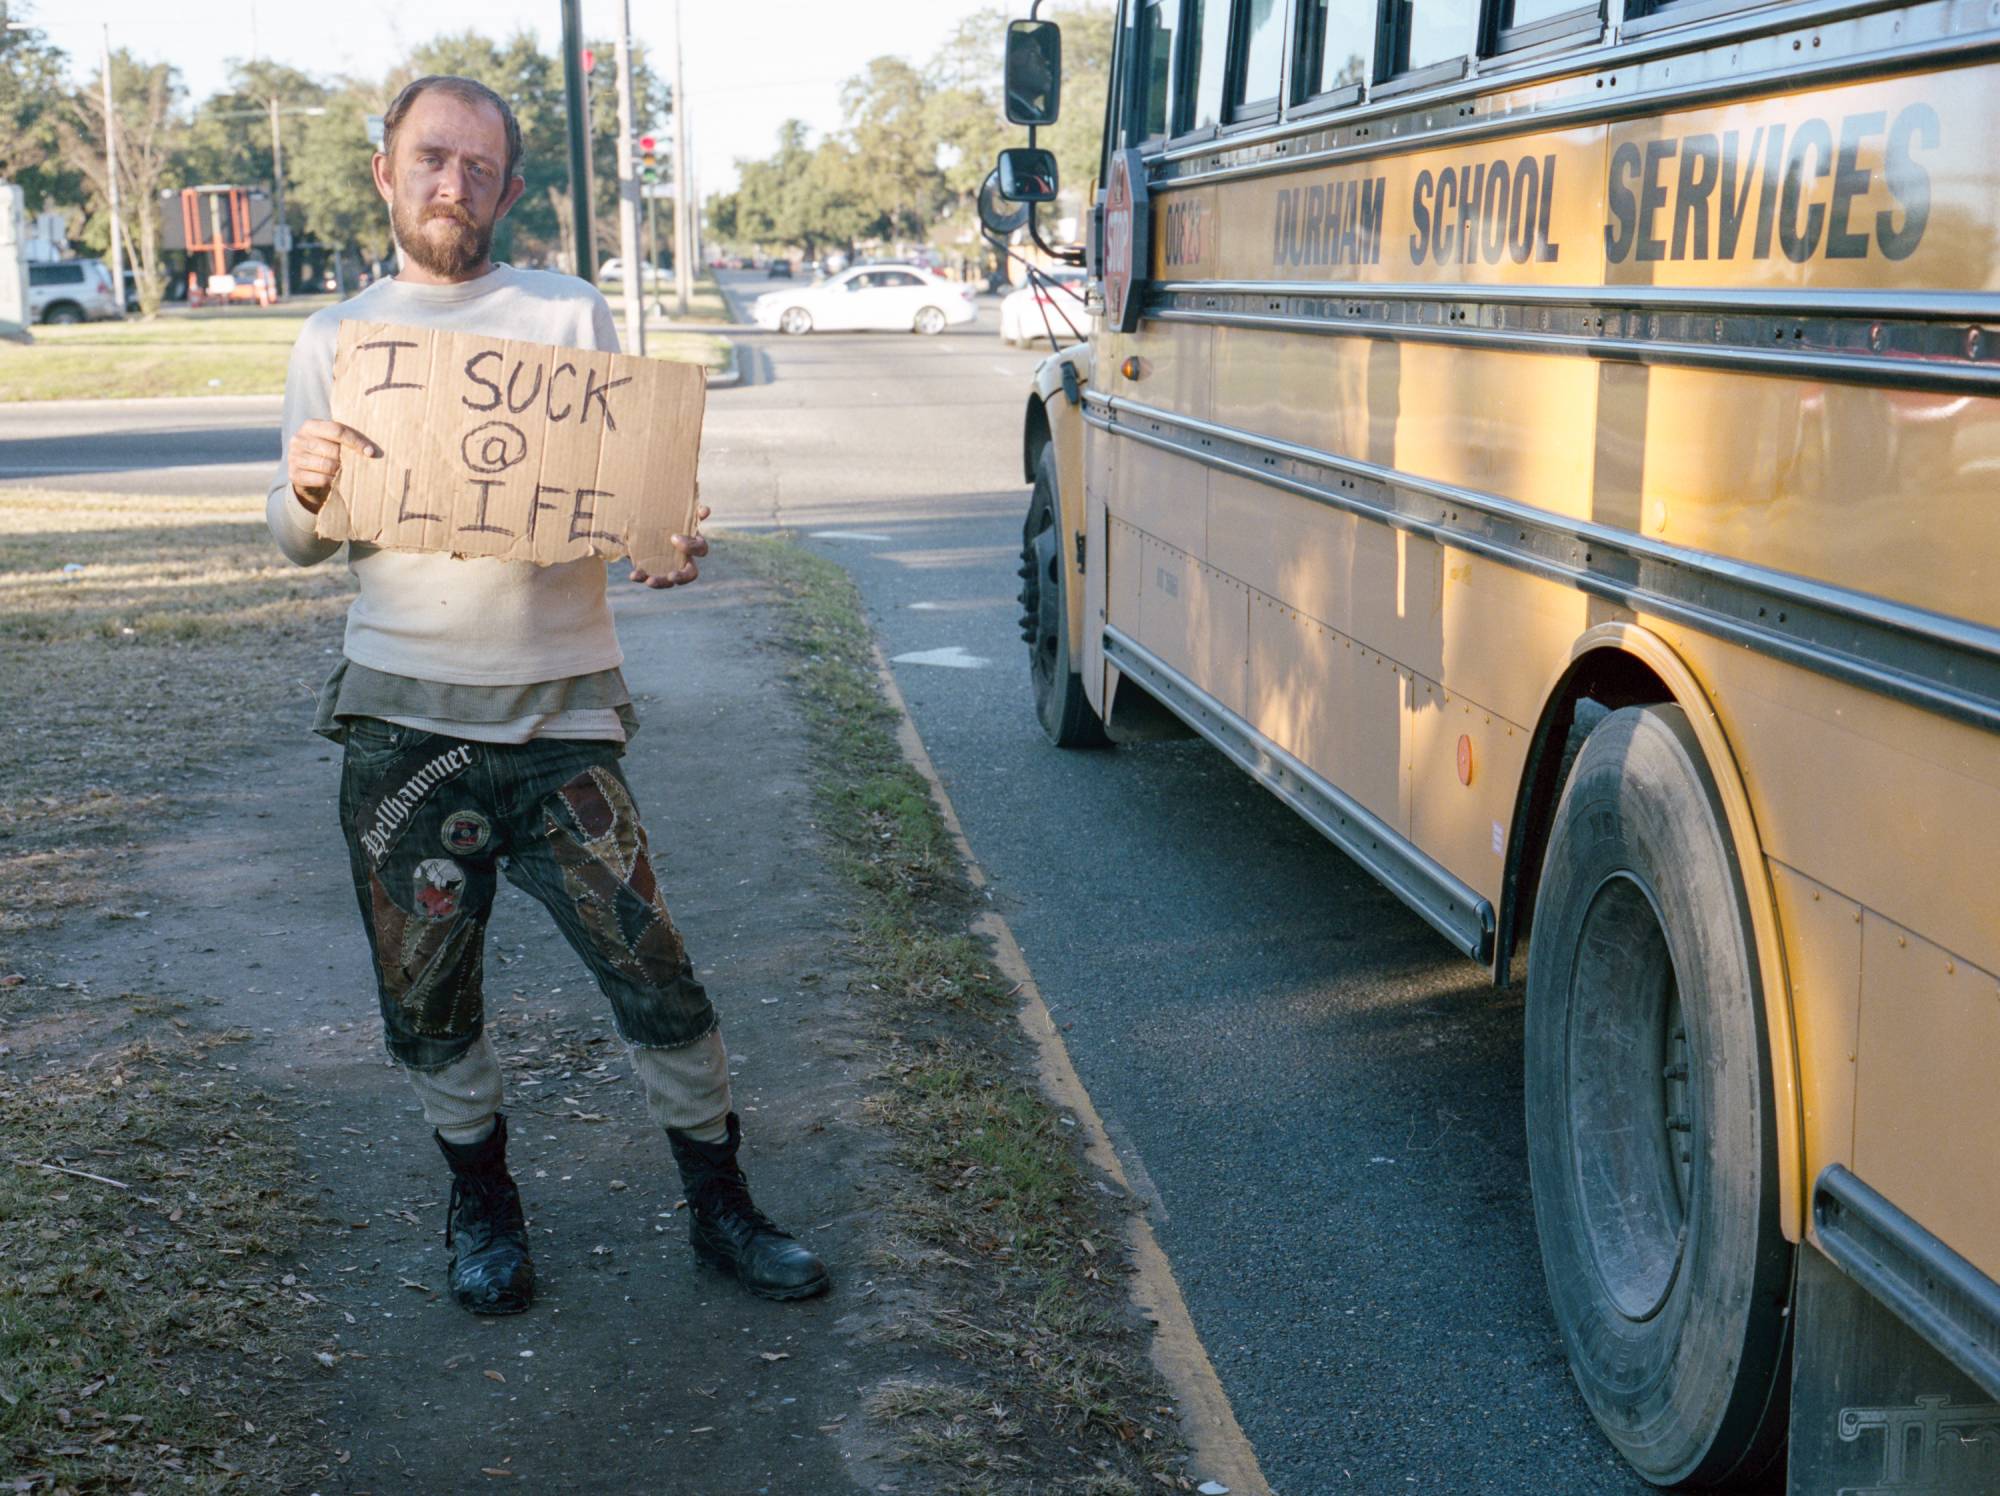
(683, 240)
(628, 193)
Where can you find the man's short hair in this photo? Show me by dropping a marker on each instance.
(466, 90)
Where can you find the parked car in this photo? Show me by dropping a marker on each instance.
(780, 270)
(72, 291)
(612, 273)
(1022, 312)
(893, 299)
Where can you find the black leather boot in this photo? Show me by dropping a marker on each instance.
(490, 1270)
(729, 1232)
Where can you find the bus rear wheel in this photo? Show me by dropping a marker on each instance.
(1066, 713)
(1650, 1116)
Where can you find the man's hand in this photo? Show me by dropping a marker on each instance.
(314, 459)
(689, 547)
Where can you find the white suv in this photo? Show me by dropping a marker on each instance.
(72, 291)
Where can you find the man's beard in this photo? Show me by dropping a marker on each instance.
(448, 254)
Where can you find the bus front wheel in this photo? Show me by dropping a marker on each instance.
(1066, 713)
(1651, 1139)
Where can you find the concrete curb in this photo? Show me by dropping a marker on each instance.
(1220, 1448)
(731, 376)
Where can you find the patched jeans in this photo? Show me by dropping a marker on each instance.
(430, 823)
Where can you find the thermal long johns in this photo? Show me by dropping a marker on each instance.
(687, 1089)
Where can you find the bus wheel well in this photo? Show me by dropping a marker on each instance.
(1598, 683)
(1034, 436)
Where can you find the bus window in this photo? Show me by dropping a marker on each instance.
(1430, 36)
(1259, 53)
(1207, 43)
(1152, 83)
(1523, 23)
(1335, 40)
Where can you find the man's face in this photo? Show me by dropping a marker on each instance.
(447, 184)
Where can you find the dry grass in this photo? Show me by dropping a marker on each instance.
(151, 1336)
(1010, 1256)
(181, 633)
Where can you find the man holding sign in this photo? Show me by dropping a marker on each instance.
(470, 430)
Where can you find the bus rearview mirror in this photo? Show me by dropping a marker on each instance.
(1033, 72)
(1027, 175)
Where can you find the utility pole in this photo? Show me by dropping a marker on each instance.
(683, 239)
(281, 231)
(653, 248)
(111, 173)
(585, 263)
(628, 193)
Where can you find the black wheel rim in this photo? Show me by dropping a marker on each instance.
(1041, 599)
(1632, 1108)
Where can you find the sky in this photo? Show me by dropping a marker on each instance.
(751, 64)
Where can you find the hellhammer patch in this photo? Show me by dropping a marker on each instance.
(385, 819)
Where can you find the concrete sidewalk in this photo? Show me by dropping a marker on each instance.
(634, 1371)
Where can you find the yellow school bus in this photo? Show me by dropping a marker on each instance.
(1556, 449)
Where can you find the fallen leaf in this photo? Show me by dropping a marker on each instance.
(494, 1376)
(496, 1472)
(776, 1355)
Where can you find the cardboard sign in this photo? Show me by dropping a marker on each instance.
(523, 451)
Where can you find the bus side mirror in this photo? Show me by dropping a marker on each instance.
(1033, 72)
(1027, 175)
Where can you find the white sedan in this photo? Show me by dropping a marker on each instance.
(1034, 312)
(889, 298)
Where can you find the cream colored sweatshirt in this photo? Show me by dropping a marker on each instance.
(471, 621)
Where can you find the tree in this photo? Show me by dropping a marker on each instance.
(229, 138)
(722, 216)
(31, 88)
(151, 133)
(893, 160)
(330, 187)
(1077, 136)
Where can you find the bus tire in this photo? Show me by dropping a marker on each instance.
(1650, 1114)
(1065, 711)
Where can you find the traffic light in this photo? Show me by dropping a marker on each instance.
(649, 163)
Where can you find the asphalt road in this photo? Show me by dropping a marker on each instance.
(1324, 1101)
(218, 445)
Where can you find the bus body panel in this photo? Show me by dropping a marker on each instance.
(1751, 341)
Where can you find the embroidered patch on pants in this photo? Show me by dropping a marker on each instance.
(440, 887)
(609, 877)
(412, 778)
(465, 832)
(430, 966)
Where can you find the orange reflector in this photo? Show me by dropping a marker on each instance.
(1464, 759)
(1130, 368)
